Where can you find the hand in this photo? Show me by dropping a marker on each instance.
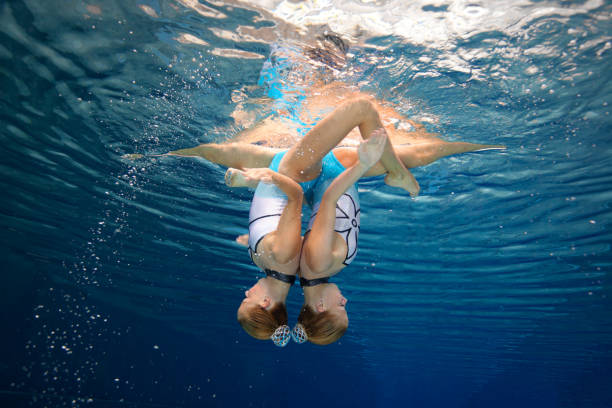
(264, 175)
(248, 177)
(371, 149)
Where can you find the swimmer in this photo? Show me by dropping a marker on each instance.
(274, 217)
(330, 133)
(330, 244)
(263, 313)
(274, 244)
(355, 116)
(328, 152)
(315, 162)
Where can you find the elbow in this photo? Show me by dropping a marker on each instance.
(282, 258)
(317, 264)
(296, 196)
(283, 255)
(364, 108)
(291, 188)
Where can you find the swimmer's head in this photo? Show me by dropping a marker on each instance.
(323, 316)
(333, 43)
(330, 50)
(258, 314)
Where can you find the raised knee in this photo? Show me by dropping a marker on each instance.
(366, 109)
(363, 105)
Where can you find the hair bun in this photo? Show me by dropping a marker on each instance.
(299, 334)
(281, 336)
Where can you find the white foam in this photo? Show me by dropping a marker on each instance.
(423, 22)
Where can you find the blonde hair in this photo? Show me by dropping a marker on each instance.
(322, 328)
(261, 323)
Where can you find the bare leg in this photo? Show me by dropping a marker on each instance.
(318, 246)
(238, 155)
(240, 178)
(422, 154)
(303, 161)
(252, 177)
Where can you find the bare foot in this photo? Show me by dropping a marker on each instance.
(402, 177)
(482, 147)
(132, 156)
(371, 149)
(405, 181)
(137, 156)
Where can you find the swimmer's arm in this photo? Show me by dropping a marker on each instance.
(320, 241)
(236, 155)
(287, 241)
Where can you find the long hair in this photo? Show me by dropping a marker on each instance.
(261, 323)
(322, 328)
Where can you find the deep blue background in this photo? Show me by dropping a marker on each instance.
(120, 279)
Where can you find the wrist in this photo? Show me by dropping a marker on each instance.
(296, 191)
(288, 185)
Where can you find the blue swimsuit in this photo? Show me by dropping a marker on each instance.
(269, 201)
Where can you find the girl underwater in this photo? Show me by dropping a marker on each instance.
(321, 166)
(329, 245)
(325, 174)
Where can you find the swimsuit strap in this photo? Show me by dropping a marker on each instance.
(290, 279)
(313, 282)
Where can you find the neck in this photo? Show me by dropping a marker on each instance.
(276, 289)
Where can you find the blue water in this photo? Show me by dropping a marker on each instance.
(120, 279)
